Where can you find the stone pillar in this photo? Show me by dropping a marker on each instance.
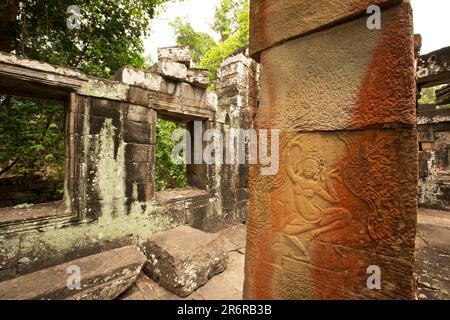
(237, 89)
(342, 209)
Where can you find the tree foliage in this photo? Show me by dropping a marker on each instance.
(111, 33)
(199, 42)
(169, 175)
(231, 22)
(32, 136)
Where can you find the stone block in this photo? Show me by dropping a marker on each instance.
(180, 54)
(139, 172)
(103, 276)
(348, 77)
(144, 79)
(171, 69)
(354, 191)
(140, 152)
(198, 77)
(183, 259)
(141, 114)
(106, 89)
(272, 22)
(139, 133)
(139, 96)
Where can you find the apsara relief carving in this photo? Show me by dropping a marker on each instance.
(336, 188)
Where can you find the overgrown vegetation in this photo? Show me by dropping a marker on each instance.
(32, 137)
(231, 22)
(110, 36)
(111, 33)
(168, 175)
(428, 96)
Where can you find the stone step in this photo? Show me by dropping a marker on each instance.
(183, 259)
(103, 277)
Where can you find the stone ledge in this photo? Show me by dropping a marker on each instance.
(103, 276)
(180, 54)
(272, 22)
(173, 195)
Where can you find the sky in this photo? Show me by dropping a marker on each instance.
(431, 19)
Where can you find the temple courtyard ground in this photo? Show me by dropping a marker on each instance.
(432, 269)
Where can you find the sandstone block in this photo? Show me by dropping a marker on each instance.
(273, 22)
(183, 259)
(171, 69)
(356, 192)
(198, 77)
(180, 54)
(139, 78)
(141, 114)
(139, 96)
(346, 77)
(103, 276)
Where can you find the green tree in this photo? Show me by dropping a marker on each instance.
(237, 38)
(169, 175)
(32, 136)
(231, 22)
(226, 18)
(428, 96)
(111, 33)
(199, 42)
(110, 36)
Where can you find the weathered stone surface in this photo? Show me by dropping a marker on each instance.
(433, 255)
(356, 193)
(35, 79)
(141, 133)
(103, 276)
(349, 77)
(434, 67)
(139, 78)
(110, 157)
(180, 54)
(140, 152)
(171, 69)
(14, 60)
(139, 96)
(198, 77)
(107, 89)
(430, 114)
(183, 259)
(141, 114)
(273, 22)
(345, 197)
(434, 141)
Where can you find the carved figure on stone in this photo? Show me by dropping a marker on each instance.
(312, 179)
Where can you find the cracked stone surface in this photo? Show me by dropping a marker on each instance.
(227, 285)
(183, 259)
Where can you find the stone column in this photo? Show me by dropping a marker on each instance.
(236, 88)
(341, 212)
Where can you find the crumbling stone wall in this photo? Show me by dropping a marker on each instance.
(237, 91)
(344, 202)
(434, 132)
(110, 157)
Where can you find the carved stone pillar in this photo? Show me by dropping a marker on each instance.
(341, 212)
